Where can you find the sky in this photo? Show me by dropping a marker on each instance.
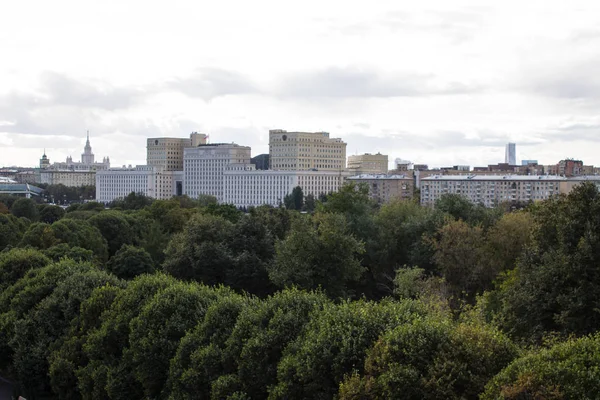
(435, 82)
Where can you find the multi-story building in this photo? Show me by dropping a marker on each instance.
(73, 173)
(384, 188)
(510, 156)
(570, 167)
(115, 183)
(368, 164)
(492, 190)
(245, 186)
(205, 164)
(305, 151)
(167, 153)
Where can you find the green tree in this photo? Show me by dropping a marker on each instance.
(318, 252)
(63, 250)
(11, 230)
(162, 322)
(430, 358)
(51, 214)
(199, 359)
(14, 264)
(26, 208)
(310, 203)
(555, 285)
(115, 228)
(39, 235)
(226, 211)
(108, 372)
(567, 370)
(46, 326)
(130, 262)
(200, 252)
(334, 344)
(294, 200)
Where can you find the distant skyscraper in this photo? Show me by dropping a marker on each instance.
(510, 156)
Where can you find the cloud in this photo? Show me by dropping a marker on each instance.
(209, 83)
(357, 82)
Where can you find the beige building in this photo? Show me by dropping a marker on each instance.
(73, 173)
(302, 151)
(167, 153)
(368, 164)
(384, 188)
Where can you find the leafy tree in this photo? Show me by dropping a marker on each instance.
(227, 211)
(431, 358)
(261, 334)
(65, 360)
(294, 200)
(39, 235)
(51, 214)
(80, 234)
(461, 208)
(108, 372)
(115, 228)
(63, 250)
(130, 262)
(26, 208)
(318, 254)
(199, 358)
(334, 344)
(4, 209)
(11, 230)
(567, 370)
(133, 201)
(162, 322)
(555, 285)
(310, 203)
(200, 252)
(15, 263)
(46, 326)
(277, 219)
(458, 256)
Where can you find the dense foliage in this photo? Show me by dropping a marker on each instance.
(330, 298)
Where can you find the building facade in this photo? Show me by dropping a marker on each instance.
(384, 188)
(492, 190)
(368, 164)
(305, 151)
(167, 153)
(510, 156)
(73, 173)
(117, 183)
(205, 164)
(245, 186)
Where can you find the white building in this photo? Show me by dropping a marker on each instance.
(244, 186)
(167, 153)
(491, 190)
(305, 151)
(150, 181)
(204, 167)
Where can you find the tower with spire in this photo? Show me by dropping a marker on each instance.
(87, 157)
(44, 161)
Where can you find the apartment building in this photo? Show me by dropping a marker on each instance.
(491, 190)
(384, 188)
(303, 151)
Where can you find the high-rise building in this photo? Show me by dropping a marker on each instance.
(302, 151)
(73, 173)
(368, 163)
(167, 153)
(204, 165)
(510, 156)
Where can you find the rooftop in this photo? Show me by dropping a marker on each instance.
(494, 178)
(379, 176)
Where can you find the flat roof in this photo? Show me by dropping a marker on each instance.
(495, 178)
(379, 177)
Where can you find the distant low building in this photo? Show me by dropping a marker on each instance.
(368, 164)
(384, 188)
(11, 187)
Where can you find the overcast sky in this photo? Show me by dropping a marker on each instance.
(438, 82)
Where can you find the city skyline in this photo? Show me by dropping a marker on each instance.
(461, 81)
